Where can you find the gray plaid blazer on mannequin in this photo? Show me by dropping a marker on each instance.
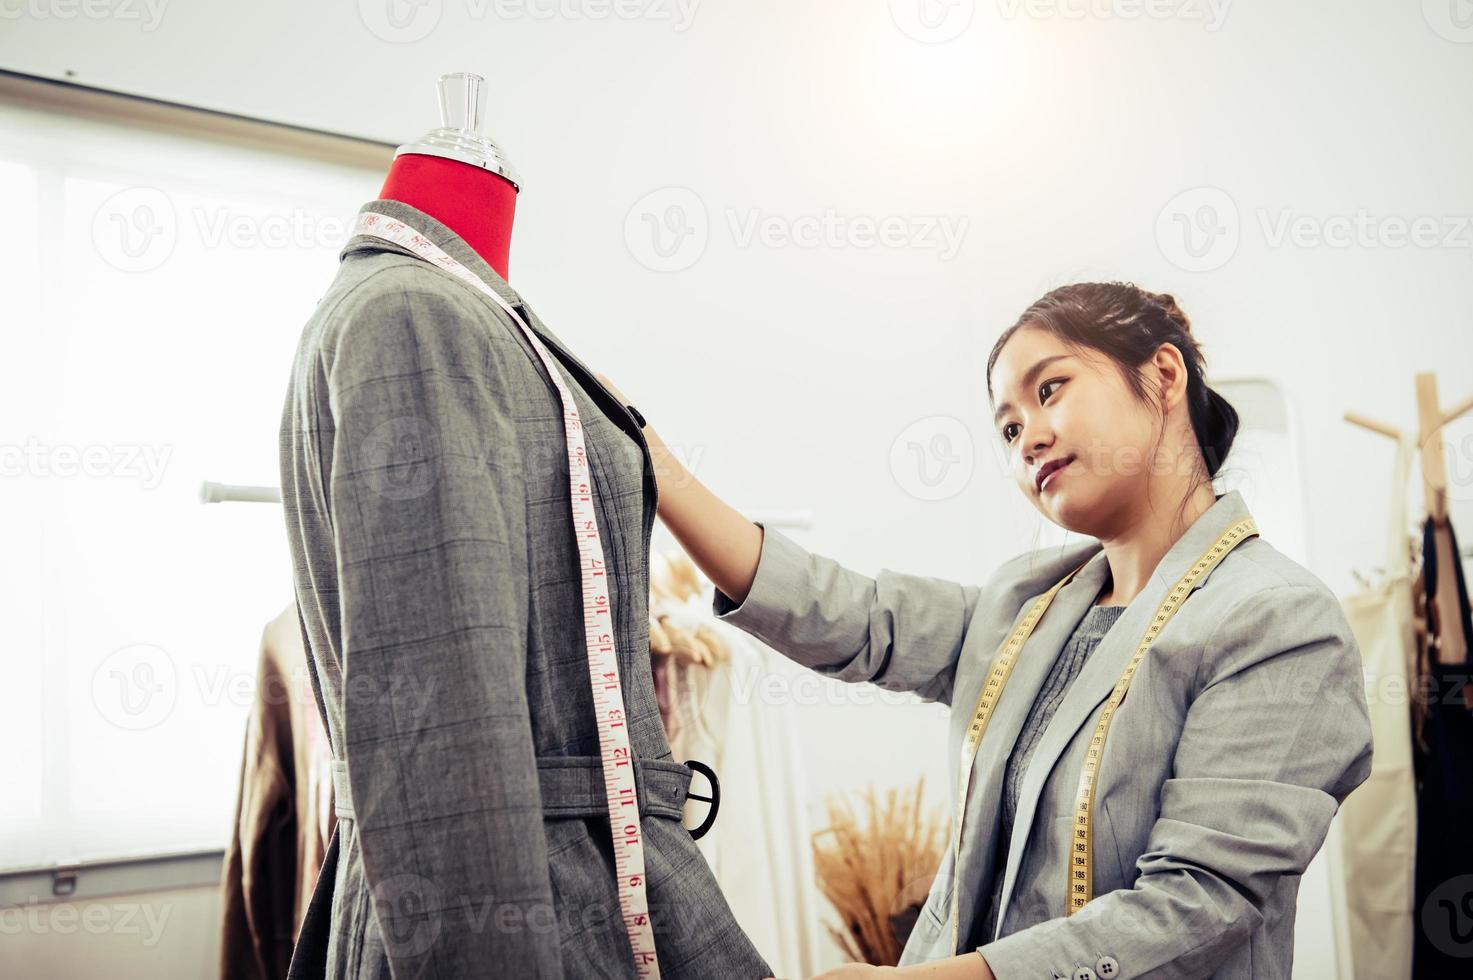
(1244, 729)
(425, 483)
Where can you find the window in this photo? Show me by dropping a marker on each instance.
(159, 264)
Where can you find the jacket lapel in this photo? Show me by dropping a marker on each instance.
(983, 817)
(1102, 670)
(456, 247)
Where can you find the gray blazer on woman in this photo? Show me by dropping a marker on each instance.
(1244, 729)
(425, 482)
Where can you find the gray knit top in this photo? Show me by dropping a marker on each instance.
(1087, 635)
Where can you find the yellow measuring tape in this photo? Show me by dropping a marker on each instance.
(1080, 884)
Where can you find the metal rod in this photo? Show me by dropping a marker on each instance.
(211, 492)
(215, 493)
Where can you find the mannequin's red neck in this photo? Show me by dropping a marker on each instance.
(475, 204)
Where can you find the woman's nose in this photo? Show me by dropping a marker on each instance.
(1036, 442)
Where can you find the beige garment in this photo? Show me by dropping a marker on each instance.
(284, 816)
(1378, 822)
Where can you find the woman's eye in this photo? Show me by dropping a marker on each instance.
(1042, 398)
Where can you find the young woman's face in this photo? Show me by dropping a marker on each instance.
(1053, 405)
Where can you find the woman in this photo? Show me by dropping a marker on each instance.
(1216, 679)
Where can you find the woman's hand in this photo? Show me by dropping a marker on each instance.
(722, 543)
(603, 380)
(854, 971)
(968, 966)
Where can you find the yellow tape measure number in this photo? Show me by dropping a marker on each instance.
(1080, 885)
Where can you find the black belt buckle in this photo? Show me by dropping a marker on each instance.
(714, 799)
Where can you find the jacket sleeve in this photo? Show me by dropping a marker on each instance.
(427, 504)
(1275, 739)
(901, 632)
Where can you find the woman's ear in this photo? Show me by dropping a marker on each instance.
(1170, 370)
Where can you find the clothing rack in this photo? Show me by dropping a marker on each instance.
(1430, 421)
(211, 492)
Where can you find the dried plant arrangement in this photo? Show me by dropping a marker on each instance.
(877, 871)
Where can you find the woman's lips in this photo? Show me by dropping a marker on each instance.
(1048, 481)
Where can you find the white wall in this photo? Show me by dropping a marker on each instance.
(1067, 148)
(1059, 140)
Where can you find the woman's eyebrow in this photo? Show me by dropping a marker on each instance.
(1028, 379)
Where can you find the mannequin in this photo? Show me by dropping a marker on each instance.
(428, 496)
(458, 176)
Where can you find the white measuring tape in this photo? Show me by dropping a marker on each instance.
(603, 662)
(1081, 849)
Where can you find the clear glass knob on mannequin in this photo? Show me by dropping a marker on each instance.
(459, 136)
(460, 101)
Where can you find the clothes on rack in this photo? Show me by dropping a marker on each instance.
(761, 845)
(1447, 592)
(660, 672)
(1444, 767)
(284, 812)
(1378, 827)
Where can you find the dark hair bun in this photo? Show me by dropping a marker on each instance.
(1167, 302)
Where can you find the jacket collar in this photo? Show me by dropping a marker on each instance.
(456, 247)
(1104, 666)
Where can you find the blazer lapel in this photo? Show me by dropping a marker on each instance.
(1102, 670)
(1029, 672)
(456, 247)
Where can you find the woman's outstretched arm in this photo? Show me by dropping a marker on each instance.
(901, 632)
(723, 544)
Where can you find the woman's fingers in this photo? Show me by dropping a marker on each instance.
(603, 380)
